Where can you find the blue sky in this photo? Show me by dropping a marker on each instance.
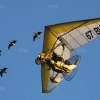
(18, 20)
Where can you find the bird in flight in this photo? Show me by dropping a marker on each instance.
(36, 35)
(13, 43)
(3, 71)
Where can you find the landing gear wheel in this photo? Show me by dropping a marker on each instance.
(38, 61)
(53, 80)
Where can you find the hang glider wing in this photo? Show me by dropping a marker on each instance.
(73, 35)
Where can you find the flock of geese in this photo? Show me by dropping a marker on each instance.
(13, 43)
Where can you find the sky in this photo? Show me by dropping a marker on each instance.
(18, 20)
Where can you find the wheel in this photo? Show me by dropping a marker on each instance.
(52, 79)
(38, 61)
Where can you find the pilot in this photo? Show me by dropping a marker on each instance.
(56, 57)
(62, 66)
